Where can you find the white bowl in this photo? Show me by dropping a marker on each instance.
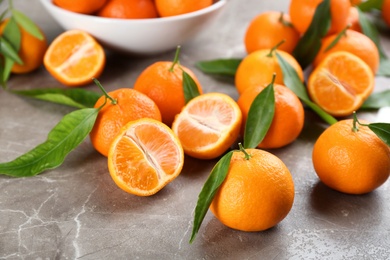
(138, 36)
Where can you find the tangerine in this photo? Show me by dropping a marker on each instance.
(385, 12)
(177, 7)
(80, 6)
(129, 9)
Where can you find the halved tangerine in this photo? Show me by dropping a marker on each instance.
(341, 83)
(208, 125)
(144, 157)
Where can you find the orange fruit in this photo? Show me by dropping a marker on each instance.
(341, 83)
(130, 105)
(258, 68)
(80, 6)
(302, 12)
(144, 157)
(268, 29)
(353, 42)
(31, 50)
(257, 194)
(163, 83)
(386, 11)
(74, 58)
(356, 2)
(208, 125)
(349, 161)
(288, 119)
(176, 7)
(353, 19)
(129, 9)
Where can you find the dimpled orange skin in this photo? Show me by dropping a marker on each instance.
(129, 9)
(288, 119)
(80, 6)
(177, 7)
(351, 162)
(266, 30)
(257, 193)
(354, 42)
(258, 69)
(302, 12)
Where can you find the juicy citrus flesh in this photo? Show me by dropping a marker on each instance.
(288, 119)
(130, 105)
(208, 125)
(145, 157)
(257, 193)
(74, 58)
(351, 162)
(258, 69)
(341, 83)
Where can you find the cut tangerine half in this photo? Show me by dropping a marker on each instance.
(144, 157)
(208, 125)
(74, 58)
(341, 83)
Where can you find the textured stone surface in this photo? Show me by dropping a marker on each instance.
(76, 211)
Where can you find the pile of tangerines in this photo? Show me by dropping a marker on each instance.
(145, 131)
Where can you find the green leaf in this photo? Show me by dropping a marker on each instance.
(206, 195)
(384, 68)
(12, 34)
(190, 88)
(377, 100)
(8, 50)
(293, 82)
(382, 130)
(366, 6)
(6, 72)
(75, 97)
(227, 67)
(27, 24)
(310, 43)
(260, 116)
(4, 13)
(62, 139)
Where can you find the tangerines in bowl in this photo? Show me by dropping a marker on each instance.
(138, 36)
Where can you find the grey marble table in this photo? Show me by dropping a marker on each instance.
(76, 211)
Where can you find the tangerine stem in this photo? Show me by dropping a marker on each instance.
(355, 127)
(242, 149)
(284, 22)
(271, 53)
(176, 59)
(113, 101)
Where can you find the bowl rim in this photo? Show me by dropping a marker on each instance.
(218, 4)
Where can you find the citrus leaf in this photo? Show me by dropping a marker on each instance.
(310, 43)
(190, 88)
(27, 24)
(206, 195)
(12, 34)
(62, 139)
(79, 98)
(260, 116)
(4, 13)
(227, 67)
(377, 100)
(293, 82)
(382, 130)
(8, 50)
(366, 6)
(6, 72)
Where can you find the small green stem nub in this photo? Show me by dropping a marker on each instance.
(271, 53)
(176, 59)
(283, 21)
(355, 127)
(113, 101)
(242, 149)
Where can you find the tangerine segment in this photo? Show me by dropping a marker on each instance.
(208, 125)
(74, 58)
(144, 157)
(341, 83)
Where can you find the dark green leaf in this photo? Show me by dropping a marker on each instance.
(260, 116)
(382, 130)
(27, 24)
(310, 43)
(6, 72)
(227, 67)
(190, 88)
(12, 34)
(336, 40)
(62, 139)
(75, 97)
(377, 100)
(8, 50)
(293, 82)
(368, 5)
(206, 195)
